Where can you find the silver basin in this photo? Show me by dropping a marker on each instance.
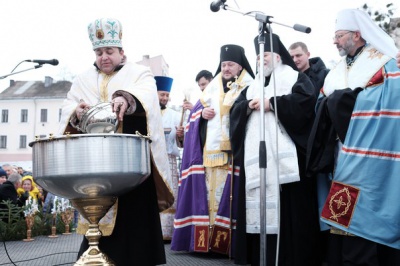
(99, 119)
(91, 165)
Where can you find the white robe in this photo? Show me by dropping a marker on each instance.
(171, 120)
(216, 148)
(286, 77)
(138, 81)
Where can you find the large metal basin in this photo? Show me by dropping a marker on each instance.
(91, 165)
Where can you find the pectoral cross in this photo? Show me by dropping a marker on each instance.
(235, 85)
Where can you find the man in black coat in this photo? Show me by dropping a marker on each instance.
(8, 191)
(314, 67)
(316, 70)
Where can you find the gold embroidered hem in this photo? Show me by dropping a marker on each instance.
(215, 181)
(338, 231)
(214, 158)
(201, 238)
(340, 204)
(220, 241)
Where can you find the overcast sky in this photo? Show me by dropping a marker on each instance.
(185, 32)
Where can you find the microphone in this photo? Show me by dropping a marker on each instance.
(216, 5)
(302, 28)
(53, 62)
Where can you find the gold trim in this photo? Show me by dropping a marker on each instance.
(214, 158)
(103, 89)
(169, 211)
(337, 231)
(340, 202)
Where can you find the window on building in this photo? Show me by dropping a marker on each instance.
(43, 115)
(3, 142)
(4, 116)
(42, 136)
(59, 114)
(22, 141)
(24, 115)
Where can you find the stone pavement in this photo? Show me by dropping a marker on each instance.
(45, 251)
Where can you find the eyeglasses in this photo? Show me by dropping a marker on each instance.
(338, 37)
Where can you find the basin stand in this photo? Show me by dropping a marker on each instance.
(93, 209)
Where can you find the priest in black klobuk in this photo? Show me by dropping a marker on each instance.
(286, 139)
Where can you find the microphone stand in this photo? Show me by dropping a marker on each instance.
(263, 21)
(13, 73)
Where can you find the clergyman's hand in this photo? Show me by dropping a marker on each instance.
(208, 113)
(81, 109)
(187, 105)
(255, 104)
(180, 132)
(119, 106)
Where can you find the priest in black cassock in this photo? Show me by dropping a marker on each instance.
(286, 139)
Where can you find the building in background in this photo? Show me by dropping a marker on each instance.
(28, 109)
(157, 64)
(158, 67)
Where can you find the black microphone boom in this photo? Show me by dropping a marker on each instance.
(216, 5)
(53, 62)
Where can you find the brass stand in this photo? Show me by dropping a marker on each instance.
(66, 217)
(53, 227)
(29, 223)
(53, 232)
(93, 209)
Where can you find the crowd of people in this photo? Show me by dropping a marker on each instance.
(326, 156)
(11, 188)
(18, 186)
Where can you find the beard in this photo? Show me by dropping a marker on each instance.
(345, 49)
(268, 68)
